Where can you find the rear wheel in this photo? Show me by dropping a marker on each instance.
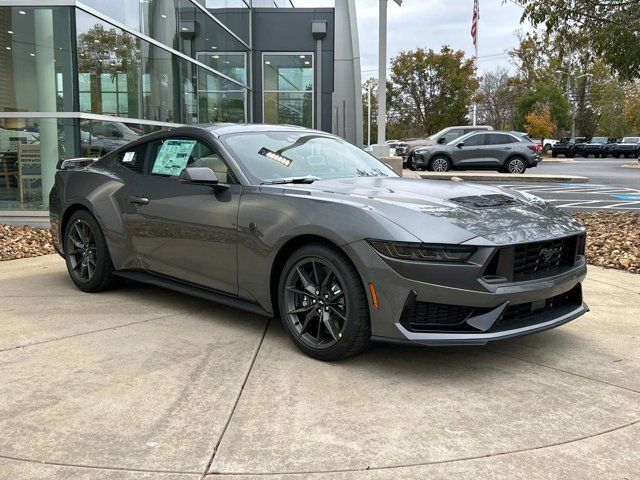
(616, 155)
(86, 254)
(554, 154)
(440, 164)
(516, 165)
(323, 304)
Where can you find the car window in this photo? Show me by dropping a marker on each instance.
(133, 158)
(451, 135)
(475, 140)
(172, 155)
(500, 139)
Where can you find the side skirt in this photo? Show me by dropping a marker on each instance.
(193, 290)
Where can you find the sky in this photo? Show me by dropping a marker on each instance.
(433, 23)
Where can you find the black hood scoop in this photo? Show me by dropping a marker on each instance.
(487, 201)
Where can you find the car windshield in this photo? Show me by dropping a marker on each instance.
(599, 140)
(276, 156)
(630, 140)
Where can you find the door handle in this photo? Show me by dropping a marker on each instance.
(139, 200)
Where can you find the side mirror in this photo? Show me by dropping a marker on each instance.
(201, 176)
(442, 141)
(460, 145)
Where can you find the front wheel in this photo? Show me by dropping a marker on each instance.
(323, 304)
(516, 165)
(86, 254)
(440, 164)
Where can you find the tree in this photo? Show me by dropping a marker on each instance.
(497, 100)
(609, 28)
(538, 123)
(550, 95)
(430, 90)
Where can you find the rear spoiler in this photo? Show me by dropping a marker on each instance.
(77, 163)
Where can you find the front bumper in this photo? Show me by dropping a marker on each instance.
(460, 287)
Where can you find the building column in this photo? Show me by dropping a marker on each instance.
(46, 79)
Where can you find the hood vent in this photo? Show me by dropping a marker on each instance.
(487, 201)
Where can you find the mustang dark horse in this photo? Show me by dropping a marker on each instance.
(280, 220)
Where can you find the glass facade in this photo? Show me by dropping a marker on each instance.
(84, 79)
(288, 89)
(149, 64)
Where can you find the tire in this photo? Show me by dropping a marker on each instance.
(86, 254)
(570, 155)
(439, 164)
(324, 332)
(554, 154)
(616, 155)
(516, 165)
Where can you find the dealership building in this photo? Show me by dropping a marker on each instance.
(80, 78)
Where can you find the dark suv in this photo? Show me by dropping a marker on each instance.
(597, 146)
(503, 151)
(567, 146)
(628, 147)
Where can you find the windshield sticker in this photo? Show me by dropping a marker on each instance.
(129, 157)
(173, 157)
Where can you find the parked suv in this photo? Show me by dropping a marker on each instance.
(443, 137)
(628, 147)
(567, 146)
(598, 147)
(502, 151)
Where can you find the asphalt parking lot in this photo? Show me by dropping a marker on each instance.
(144, 383)
(610, 186)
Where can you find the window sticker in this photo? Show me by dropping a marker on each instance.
(173, 157)
(129, 157)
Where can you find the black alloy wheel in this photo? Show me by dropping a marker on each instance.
(81, 250)
(86, 254)
(322, 303)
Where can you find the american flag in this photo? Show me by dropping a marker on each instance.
(474, 22)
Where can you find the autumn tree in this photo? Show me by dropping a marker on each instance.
(430, 90)
(538, 124)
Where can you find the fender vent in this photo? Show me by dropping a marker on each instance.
(487, 201)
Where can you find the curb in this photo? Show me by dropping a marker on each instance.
(557, 160)
(630, 165)
(503, 177)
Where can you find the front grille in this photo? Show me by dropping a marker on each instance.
(535, 260)
(423, 316)
(527, 314)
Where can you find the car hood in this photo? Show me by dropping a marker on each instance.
(441, 211)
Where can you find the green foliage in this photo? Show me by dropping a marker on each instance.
(545, 93)
(429, 91)
(608, 28)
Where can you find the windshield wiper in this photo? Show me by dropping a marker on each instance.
(281, 181)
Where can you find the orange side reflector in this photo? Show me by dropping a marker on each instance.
(374, 296)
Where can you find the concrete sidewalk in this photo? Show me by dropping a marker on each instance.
(143, 383)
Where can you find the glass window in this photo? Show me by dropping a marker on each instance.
(181, 24)
(500, 139)
(233, 13)
(99, 138)
(268, 156)
(288, 89)
(475, 140)
(30, 151)
(233, 65)
(134, 159)
(451, 136)
(171, 156)
(122, 75)
(36, 64)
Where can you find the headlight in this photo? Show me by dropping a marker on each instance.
(422, 251)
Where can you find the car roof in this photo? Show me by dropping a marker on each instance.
(219, 129)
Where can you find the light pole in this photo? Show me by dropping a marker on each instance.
(369, 115)
(382, 74)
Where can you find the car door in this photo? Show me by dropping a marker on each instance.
(186, 231)
(471, 153)
(499, 146)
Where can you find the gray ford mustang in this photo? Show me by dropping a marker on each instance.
(280, 220)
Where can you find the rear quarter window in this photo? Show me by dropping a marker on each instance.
(133, 159)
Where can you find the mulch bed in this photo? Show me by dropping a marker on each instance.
(24, 242)
(613, 240)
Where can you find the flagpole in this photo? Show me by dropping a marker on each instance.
(475, 43)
